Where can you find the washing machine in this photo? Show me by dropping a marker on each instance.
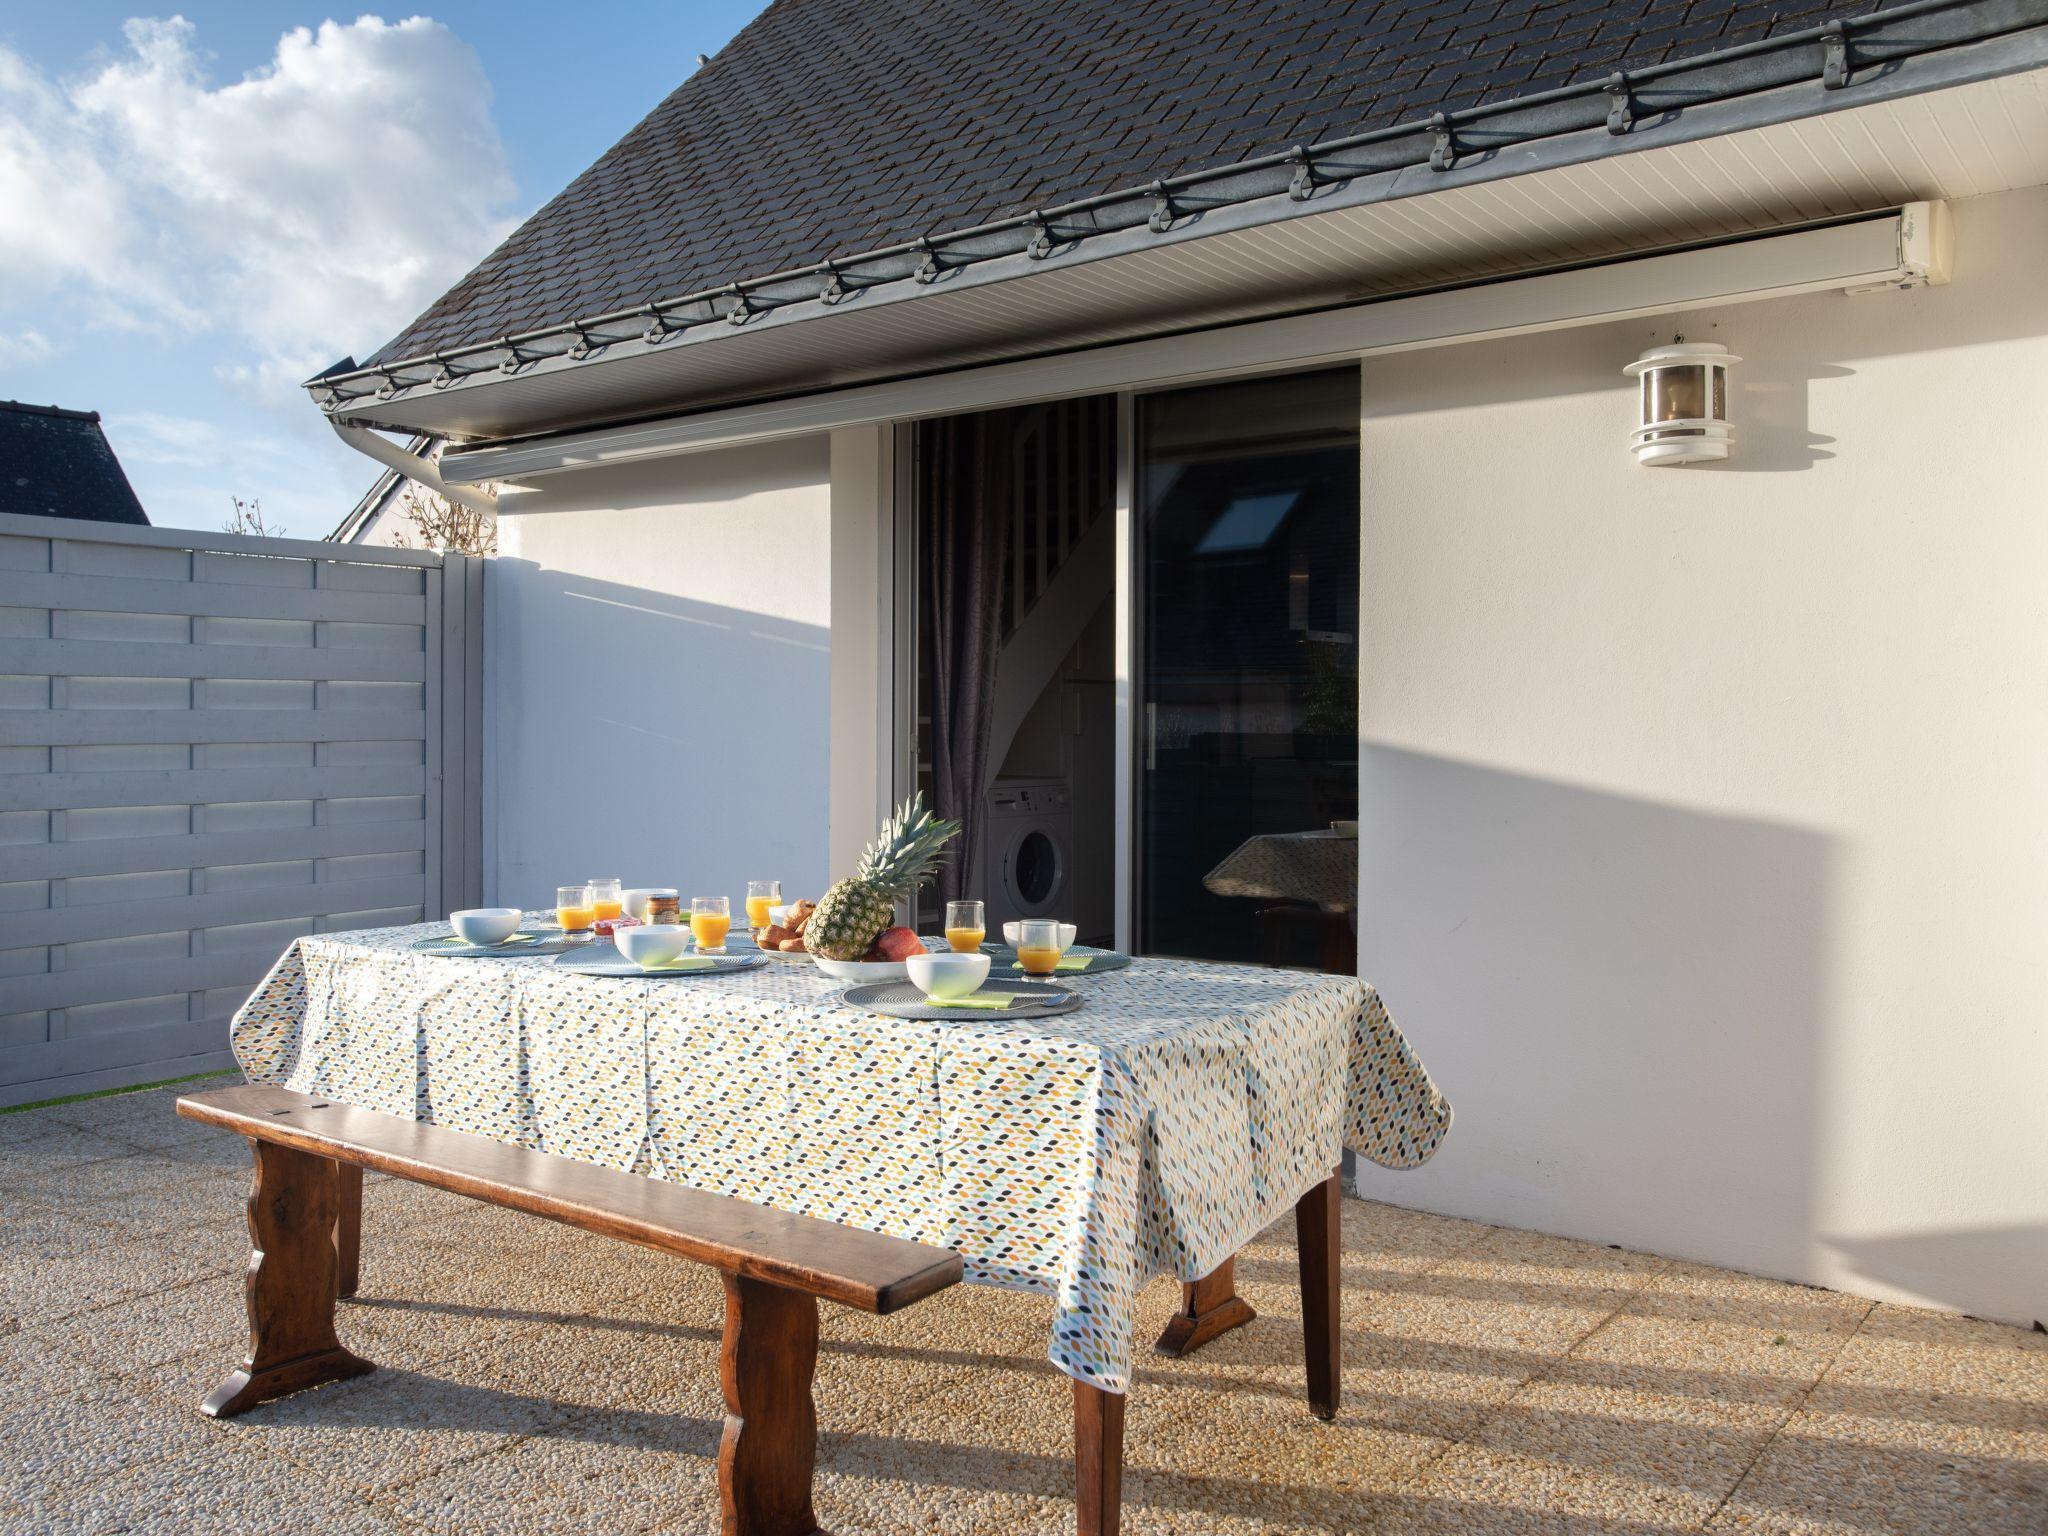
(1027, 851)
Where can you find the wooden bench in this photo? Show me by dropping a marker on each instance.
(304, 1221)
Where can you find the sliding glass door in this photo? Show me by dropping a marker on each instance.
(1246, 518)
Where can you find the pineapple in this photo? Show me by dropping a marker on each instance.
(902, 858)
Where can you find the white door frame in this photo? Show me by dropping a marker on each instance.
(1126, 674)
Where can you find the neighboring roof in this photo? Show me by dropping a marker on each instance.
(57, 463)
(834, 126)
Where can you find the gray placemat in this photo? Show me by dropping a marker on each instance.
(905, 1000)
(1001, 957)
(604, 960)
(455, 949)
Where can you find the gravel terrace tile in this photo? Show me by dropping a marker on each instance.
(535, 1378)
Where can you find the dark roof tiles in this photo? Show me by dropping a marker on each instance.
(832, 126)
(56, 463)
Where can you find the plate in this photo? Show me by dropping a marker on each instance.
(603, 960)
(863, 970)
(901, 1000)
(456, 949)
(1001, 957)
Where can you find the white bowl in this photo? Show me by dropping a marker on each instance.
(1068, 933)
(635, 900)
(485, 925)
(652, 943)
(862, 970)
(945, 974)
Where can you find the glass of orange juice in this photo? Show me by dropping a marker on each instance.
(966, 927)
(1038, 948)
(710, 921)
(606, 900)
(762, 895)
(573, 909)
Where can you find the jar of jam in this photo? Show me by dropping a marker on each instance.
(665, 909)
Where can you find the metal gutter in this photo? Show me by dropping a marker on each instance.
(1921, 46)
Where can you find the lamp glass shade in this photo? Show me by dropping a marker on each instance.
(1682, 403)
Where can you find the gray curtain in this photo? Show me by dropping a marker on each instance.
(966, 531)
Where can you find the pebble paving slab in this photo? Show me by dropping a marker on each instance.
(1496, 1382)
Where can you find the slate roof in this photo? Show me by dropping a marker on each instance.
(833, 126)
(57, 463)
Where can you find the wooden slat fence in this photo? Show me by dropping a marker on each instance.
(209, 745)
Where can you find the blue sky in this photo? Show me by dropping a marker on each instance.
(199, 207)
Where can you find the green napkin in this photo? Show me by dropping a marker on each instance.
(1064, 963)
(991, 1000)
(685, 963)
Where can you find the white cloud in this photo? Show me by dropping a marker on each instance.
(306, 210)
(24, 347)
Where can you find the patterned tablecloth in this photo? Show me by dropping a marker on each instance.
(1155, 1131)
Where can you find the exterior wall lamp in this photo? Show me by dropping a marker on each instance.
(1682, 403)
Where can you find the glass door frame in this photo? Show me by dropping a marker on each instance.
(899, 535)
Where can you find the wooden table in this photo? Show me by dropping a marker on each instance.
(1154, 1131)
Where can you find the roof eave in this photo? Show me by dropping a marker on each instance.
(1885, 55)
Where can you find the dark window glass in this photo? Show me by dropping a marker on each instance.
(1248, 517)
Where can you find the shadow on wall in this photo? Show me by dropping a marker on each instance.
(660, 739)
(1772, 413)
(1626, 1002)
(1927, 1263)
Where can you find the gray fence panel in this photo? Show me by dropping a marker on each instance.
(209, 745)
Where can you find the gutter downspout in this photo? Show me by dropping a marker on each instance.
(416, 469)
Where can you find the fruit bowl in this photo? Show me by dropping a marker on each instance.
(863, 970)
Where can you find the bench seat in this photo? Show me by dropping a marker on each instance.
(864, 1270)
(305, 1224)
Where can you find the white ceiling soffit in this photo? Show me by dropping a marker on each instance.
(1965, 140)
(1907, 246)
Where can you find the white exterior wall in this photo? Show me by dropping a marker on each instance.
(658, 675)
(1705, 811)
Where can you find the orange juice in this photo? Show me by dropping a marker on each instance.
(576, 919)
(601, 909)
(710, 928)
(965, 941)
(757, 910)
(1038, 959)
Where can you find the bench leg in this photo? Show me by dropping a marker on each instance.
(348, 1228)
(292, 1271)
(1318, 1235)
(771, 1427)
(1098, 1460)
(1209, 1307)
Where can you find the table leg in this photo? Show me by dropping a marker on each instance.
(1318, 1235)
(1208, 1307)
(771, 1427)
(1098, 1460)
(348, 1228)
(293, 1204)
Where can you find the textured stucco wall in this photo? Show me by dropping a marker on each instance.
(1705, 810)
(658, 673)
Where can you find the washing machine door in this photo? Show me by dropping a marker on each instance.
(1034, 870)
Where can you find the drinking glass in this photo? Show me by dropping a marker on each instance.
(573, 909)
(606, 900)
(710, 920)
(761, 895)
(966, 926)
(1038, 947)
